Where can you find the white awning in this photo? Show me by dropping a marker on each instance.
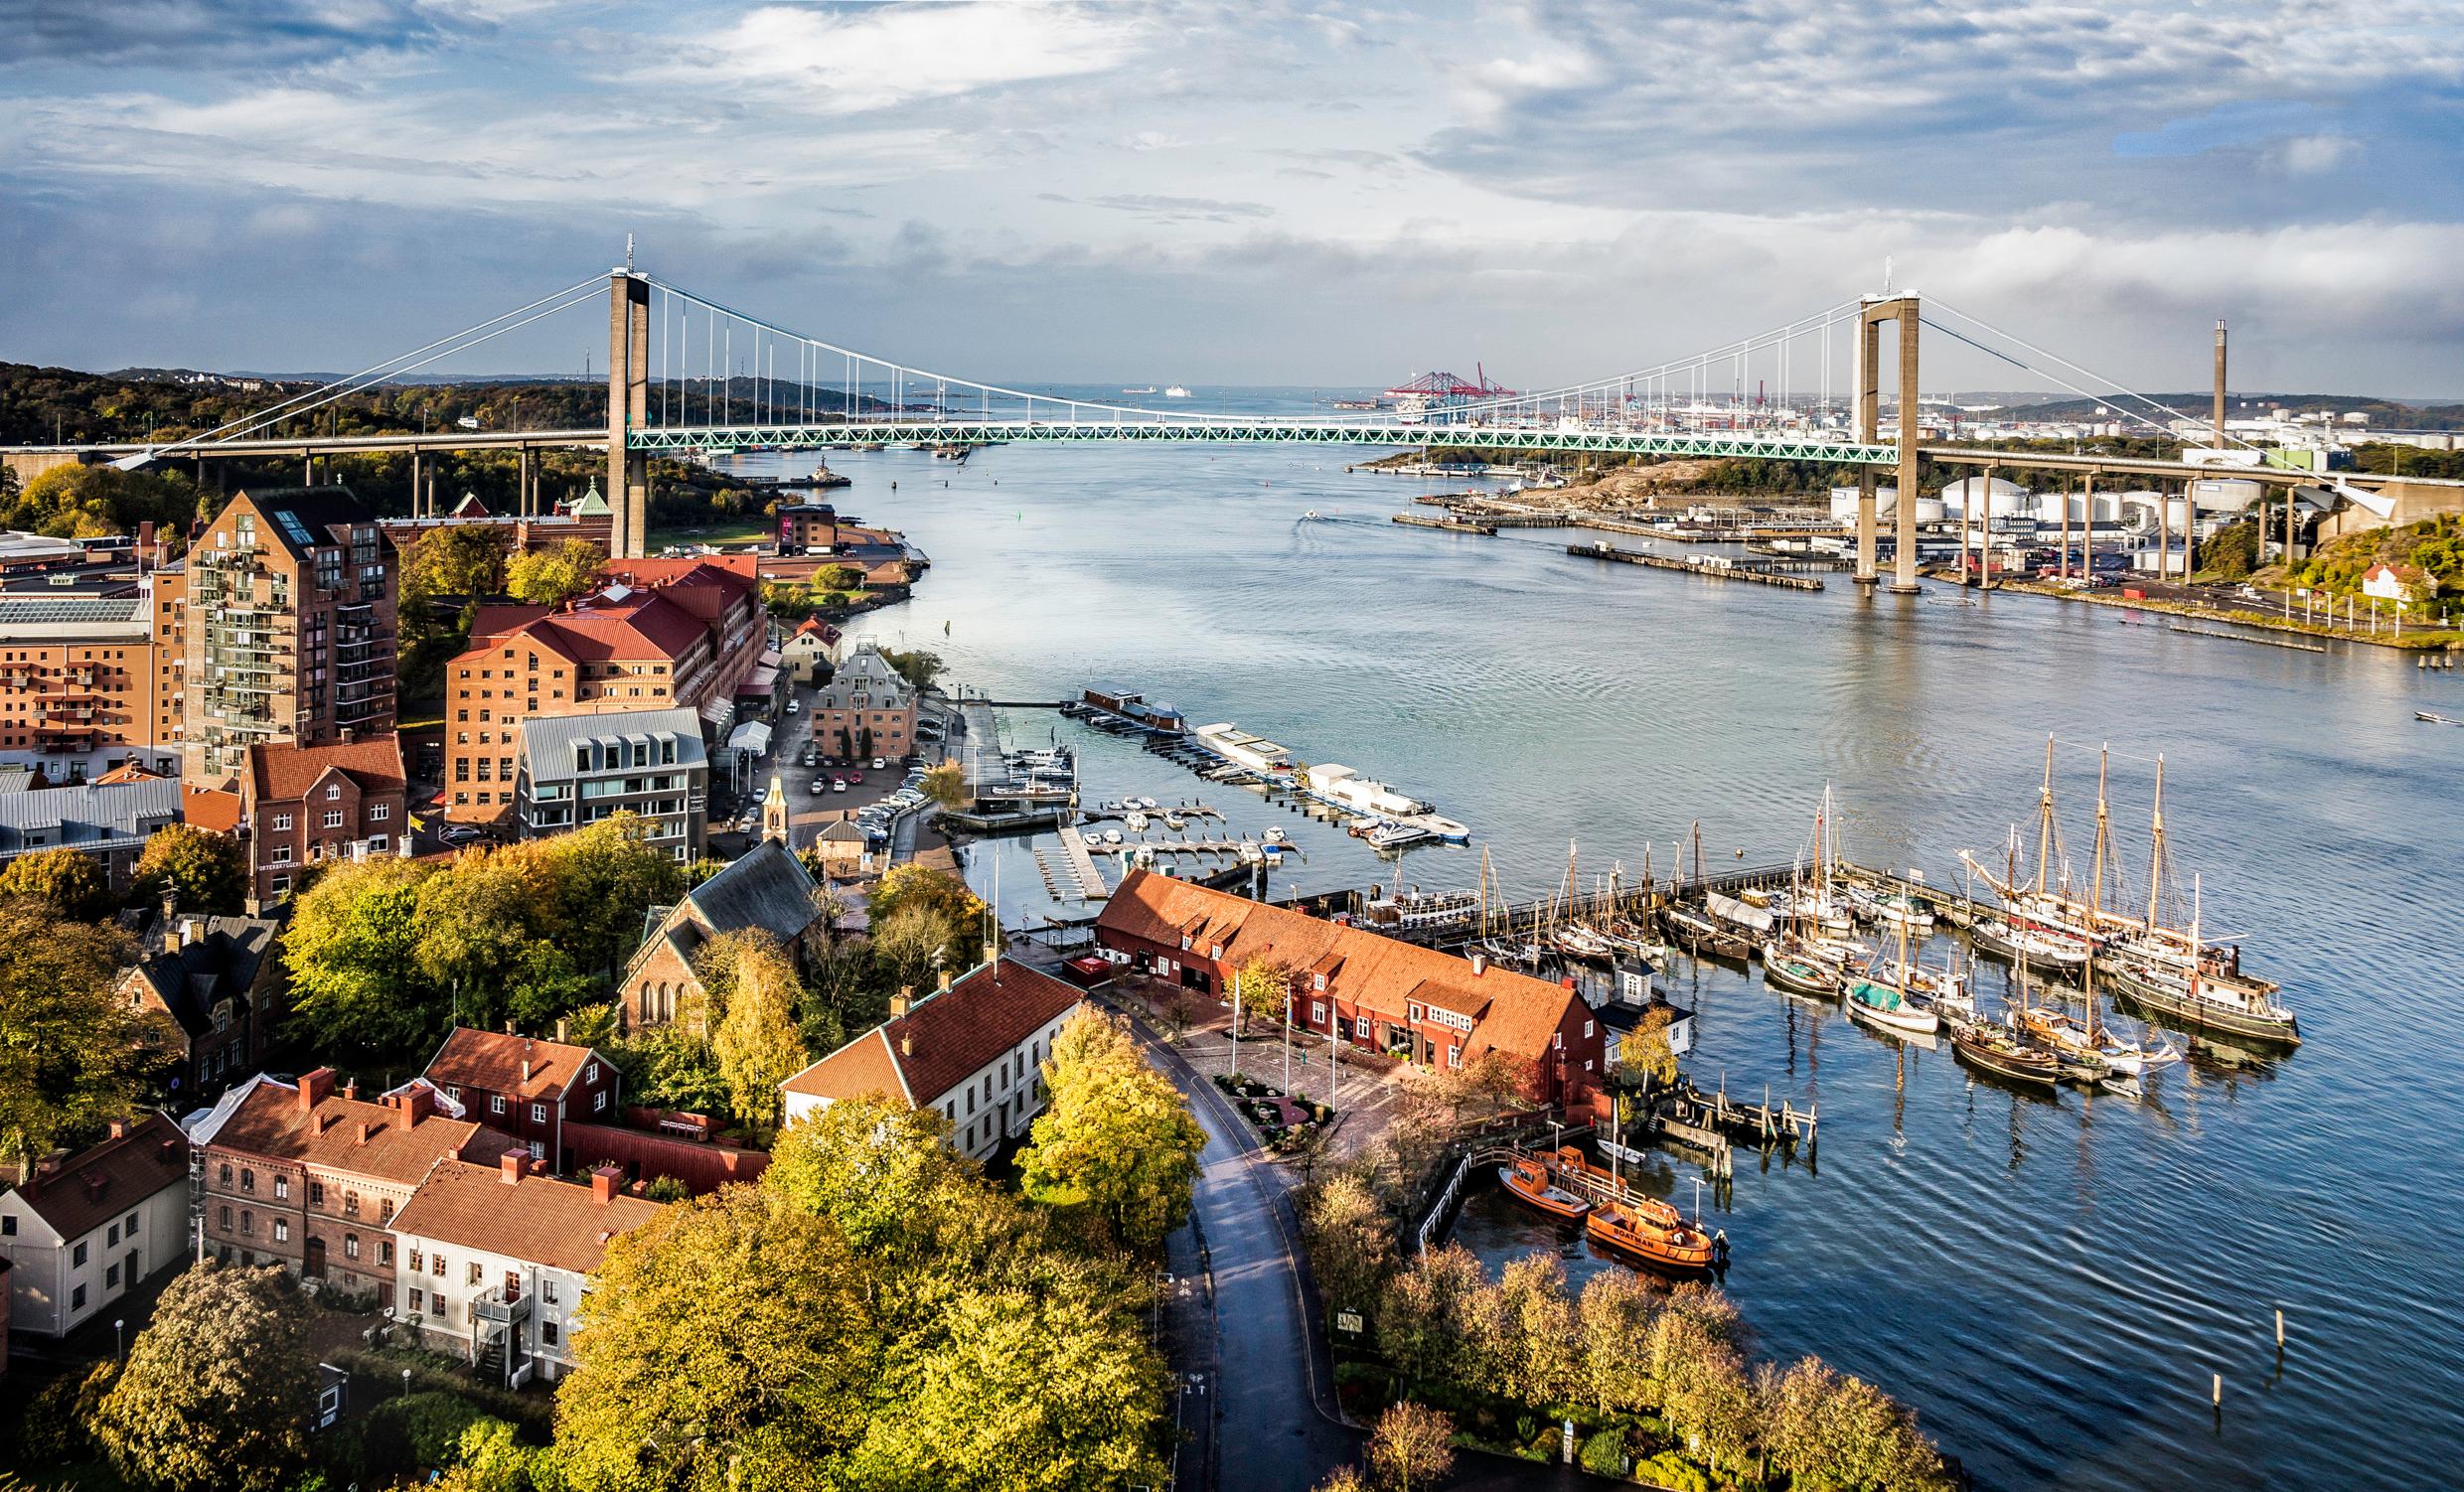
(752, 736)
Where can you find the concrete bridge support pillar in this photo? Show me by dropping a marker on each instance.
(628, 408)
(1900, 311)
(1869, 362)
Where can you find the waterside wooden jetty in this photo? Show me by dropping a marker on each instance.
(1716, 569)
(1483, 528)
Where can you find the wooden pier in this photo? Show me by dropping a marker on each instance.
(1716, 570)
(1487, 529)
(1091, 885)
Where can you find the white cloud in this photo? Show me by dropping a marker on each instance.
(2317, 155)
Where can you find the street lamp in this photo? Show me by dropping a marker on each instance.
(405, 1383)
(120, 1340)
(1698, 1204)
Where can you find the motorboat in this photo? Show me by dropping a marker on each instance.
(1394, 834)
(1136, 821)
(1530, 1183)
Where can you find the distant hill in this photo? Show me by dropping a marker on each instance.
(2383, 413)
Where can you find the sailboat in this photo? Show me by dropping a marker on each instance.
(1788, 963)
(1577, 937)
(2177, 974)
(1513, 952)
(2035, 924)
(1894, 1001)
(1697, 933)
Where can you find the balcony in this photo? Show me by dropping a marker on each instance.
(502, 1305)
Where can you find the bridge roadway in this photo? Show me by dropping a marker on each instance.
(970, 430)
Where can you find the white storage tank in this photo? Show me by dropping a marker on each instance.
(1886, 505)
(1959, 496)
(2224, 494)
(2140, 510)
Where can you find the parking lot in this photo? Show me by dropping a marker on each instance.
(861, 786)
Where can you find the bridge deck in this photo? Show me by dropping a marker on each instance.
(964, 430)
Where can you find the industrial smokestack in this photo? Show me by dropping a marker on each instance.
(2220, 380)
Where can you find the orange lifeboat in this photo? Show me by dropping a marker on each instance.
(1531, 1183)
(1652, 1232)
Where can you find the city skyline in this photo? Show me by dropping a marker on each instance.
(1340, 194)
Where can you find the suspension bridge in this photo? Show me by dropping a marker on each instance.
(688, 375)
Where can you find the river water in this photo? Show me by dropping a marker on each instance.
(2050, 1282)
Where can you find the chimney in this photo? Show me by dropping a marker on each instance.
(511, 1166)
(351, 1090)
(315, 1088)
(1480, 964)
(906, 1043)
(171, 921)
(525, 1069)
(559, 1030)
(120, 1129)
(605, 1181)
(416, 1101)
(191, 929)
(945, 981)
(49, 1165)
(365, 1131)
(902, 1001)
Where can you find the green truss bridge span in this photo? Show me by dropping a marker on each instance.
(1232, 429)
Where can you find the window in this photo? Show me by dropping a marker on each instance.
(128, 1229)
(377, 812)
(538, 1113)
(1319, 983)
(351, 1246)
(1360, 1027)
(495, 1103)
(1586, 1028)
(414, 1261)
(474, 1271)
(282, 1189)
(1453, 1055)
(548, 1292)
(248, 1180)
(112, 1237)
(77, 1298)
(1317, 1013)
(8, 1225)
(282, 823)
(547, 1333)
(111, 1277)
(316, 1193)
(598, 1102)
(282, 1231)
(227, 1173)
(333, 818)
(76, 1255)
(226, 1220)
(247, 1221)
(351, 1204)
(282, 855)
(384, 1252)
(332, 792)
(436, 1265)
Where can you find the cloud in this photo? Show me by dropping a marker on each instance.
(825, 62)
(2316, 155)
(250, 35)
(1184, 208)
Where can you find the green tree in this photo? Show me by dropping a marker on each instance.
(956, 912)
(881, 1172)
(478, 920)
(70, 884)
(1412, 1445)
(89, 502)
(1041, 1389)
(916, 665)
(1613, 1325)
(729, 1345)
(548, 577)
(1116, 1137)
(607, 877)
(71, 1056)
(454, 560)
(352, 950)
(1421, 1326)
(1539, 1351)
(756, 1044)
(206, 869)
(219, 1386)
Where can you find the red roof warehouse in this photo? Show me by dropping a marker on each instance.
(1390, 995)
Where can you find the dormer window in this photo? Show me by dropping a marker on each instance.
(1320, 983)
(332, 792)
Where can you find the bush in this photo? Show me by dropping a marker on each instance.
(1673, 1471)
(54, 1428)
(1604, 1454)
(667, 1189)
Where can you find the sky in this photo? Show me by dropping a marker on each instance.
(1245, 192)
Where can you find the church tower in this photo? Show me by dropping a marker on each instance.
(774, 812)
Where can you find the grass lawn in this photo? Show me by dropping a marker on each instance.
(741, 532)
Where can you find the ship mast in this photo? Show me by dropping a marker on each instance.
(2156, 849)
(2045, 817)
(2095, 890)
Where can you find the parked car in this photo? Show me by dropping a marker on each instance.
(881, 764)
(820, 787)
(856, 777)
(459, 834)
(795, 707)
(837, 785)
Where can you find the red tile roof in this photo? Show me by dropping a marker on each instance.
(538, 1218)
(944, 1040)
(1512, 1012)
(281, 772)
(99, 1183)
(269, 1122)
(210, 808)
(494, 1060)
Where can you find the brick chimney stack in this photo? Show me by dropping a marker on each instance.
(512, 1166)
(604, 1183)
(315, 1088)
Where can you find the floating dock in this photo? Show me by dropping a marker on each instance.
(1449, 525)
(1091, 886)
(1716, 570)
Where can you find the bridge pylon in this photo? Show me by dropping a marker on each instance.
(1900, 311)
(628, 409)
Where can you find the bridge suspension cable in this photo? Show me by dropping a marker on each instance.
(2114, 389)
(580, 293)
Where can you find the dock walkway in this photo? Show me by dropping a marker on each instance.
(1082, 869)
(1722, 570)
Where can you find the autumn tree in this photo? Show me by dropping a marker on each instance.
(880, 1170)
(352, 950)
(1116, 1137)
(1342, 1479)
(607, 876)
(454, 560)
(956, 914)
(1264, 984)
(71, 1056)
(1537, 1350)
(729, 1343)
(218, 1388)
(204, 869)
(1351, 1239)
(1420, 1324)
(946, 785)
(548, 577)
(1412, 1445)
(1612, 1325)
(756, 1043)
(70, 884)
(1834, 1434)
